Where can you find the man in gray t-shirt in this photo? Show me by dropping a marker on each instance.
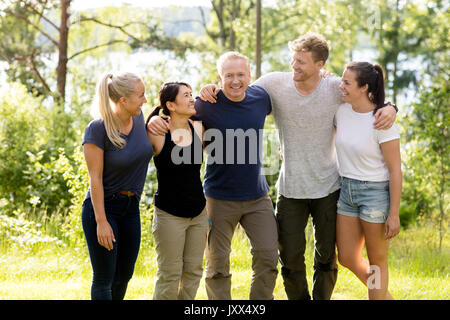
(306, 132)
(308, 183)
(303, 105)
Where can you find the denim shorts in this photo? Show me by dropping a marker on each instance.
(367, 200)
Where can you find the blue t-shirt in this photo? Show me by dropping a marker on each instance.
(123, 169)
(233, 138)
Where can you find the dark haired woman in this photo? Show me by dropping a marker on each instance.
(371, 178)
(180, 223)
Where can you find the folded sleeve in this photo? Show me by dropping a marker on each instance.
(387, 135)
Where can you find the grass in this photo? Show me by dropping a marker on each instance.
(41, 271)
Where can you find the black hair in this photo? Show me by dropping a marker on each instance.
(168, 92)
(373, 76)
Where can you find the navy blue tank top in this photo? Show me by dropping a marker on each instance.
(180, 190)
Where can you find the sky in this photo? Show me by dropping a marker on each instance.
(88, 4)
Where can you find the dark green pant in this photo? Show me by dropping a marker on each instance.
(292, 217)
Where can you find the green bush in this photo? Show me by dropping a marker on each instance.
(36, 153)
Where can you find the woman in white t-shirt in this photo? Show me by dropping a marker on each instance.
(371, 178)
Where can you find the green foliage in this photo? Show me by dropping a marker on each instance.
(21, 134)
(417, 270)
(409, 33)
(19, 232)
(21, 48)
(428, 139)
(35, 147)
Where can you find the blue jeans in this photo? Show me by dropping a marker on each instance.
(113, 269)
(366, 200)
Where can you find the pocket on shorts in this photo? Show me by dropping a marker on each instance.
(375, 206)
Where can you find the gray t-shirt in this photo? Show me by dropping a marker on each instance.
(306, 132)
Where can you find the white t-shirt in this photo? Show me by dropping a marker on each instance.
(358, 145)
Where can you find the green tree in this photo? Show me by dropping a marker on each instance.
(338, 21)
(428, 137)
(401, 35)
(28, 174)
(48, 24)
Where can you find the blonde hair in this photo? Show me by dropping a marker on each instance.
(228, 56)
(113, 87)
(311, 42)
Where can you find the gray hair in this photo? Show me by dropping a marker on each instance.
(228, 56)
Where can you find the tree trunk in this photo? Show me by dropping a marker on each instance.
(258, 39)
(441, 199)
(396, 46)
(394, 80)
(233, 14)
(380, 44)
(61, 70)
(218, 9)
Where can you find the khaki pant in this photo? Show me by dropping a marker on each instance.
(259, 223)
(180, 244)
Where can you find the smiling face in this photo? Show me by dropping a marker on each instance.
(351, 91)
(133, 103)
(235, 78)
(184, 102)
(304, 66)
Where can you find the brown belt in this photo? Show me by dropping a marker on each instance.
(127, 193)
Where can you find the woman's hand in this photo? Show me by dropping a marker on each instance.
(392, 226)
(94, 160)
(105, 235)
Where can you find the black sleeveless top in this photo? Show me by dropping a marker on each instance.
(180, 190)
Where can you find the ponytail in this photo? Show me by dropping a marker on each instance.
(112, 88)
(373, 76)
(155, 112)
(378, 92)
(112, 124)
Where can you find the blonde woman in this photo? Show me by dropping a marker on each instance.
(117, 152)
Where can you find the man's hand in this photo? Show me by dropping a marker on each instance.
(385, 117)
(326, 74)
(157, 126)
(209, 93)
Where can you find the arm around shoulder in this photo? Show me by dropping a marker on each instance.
(157, 126)
(385, 117)
(157, 142)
